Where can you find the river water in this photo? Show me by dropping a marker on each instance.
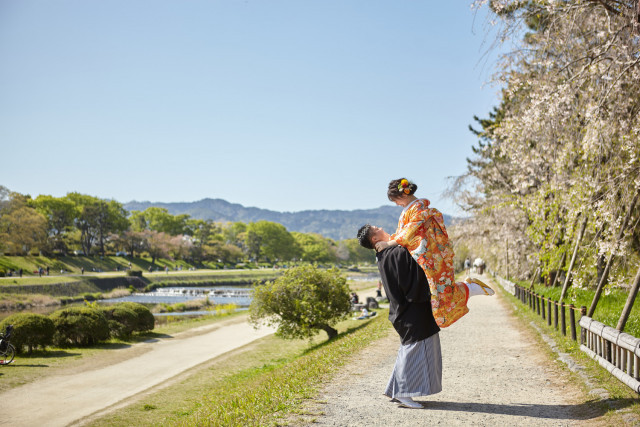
(218, 295)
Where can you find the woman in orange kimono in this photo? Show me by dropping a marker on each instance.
(421, 230)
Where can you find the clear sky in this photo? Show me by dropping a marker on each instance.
(286, 105)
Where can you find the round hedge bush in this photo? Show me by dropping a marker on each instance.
(145, 320)
(79, 326)
(122, 320)
(29, 330)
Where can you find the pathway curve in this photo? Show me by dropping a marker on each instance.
(63, 399)
(494, 374)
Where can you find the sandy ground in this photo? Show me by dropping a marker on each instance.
(60, 400)
(493, 375)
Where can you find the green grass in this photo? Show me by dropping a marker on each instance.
(621, 396)
(256, 385)
(608, 309)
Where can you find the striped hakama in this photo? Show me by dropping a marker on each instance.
(418, 369)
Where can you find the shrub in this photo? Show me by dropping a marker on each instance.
(122, 321)
(135, 273)
(80, 326)
(29, 330)
(302, 301)
(145, 320)
(88, 296)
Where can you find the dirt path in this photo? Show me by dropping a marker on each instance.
(62, 399)
(493, 375)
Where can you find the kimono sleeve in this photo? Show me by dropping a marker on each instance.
(413, 220)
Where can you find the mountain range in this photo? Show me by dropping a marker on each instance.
(335, 224)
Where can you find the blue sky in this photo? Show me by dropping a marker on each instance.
(283, 105)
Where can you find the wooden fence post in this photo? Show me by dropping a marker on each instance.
(563, 320)
(583, 332)
(555, 311)
(538, 304)
(542, 304)
(572, 319)
(549, 311)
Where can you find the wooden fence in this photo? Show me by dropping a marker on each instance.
(554, 312)
(617, 352)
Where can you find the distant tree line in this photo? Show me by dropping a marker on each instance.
(89, 225)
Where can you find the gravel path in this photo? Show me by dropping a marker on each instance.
(63, 399)
(493, 375)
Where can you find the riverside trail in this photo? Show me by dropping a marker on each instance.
(60, 400)
(495, 373)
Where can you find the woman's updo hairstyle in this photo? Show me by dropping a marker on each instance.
(399, 187)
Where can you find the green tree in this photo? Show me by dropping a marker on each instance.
(271, 241)
(314, 247)
(223, 252)
(96, 219)
(158, 245)
(301, 302)
(59, 212)
(204, 232)
(131, 241)
(22, 228)
(160, 220)
(357, 253)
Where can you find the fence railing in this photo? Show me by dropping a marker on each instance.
(617, 352)
(554, 312)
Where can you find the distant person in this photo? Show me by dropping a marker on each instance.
(379, 290)
(467, 266)
(47, 270)
(354, 298)
(20, 273)
(421, 230)
(81, 270)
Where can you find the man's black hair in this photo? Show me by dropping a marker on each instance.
(363, 236)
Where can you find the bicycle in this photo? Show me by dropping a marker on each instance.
(7, 350)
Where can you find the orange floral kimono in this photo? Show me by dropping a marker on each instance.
(421, 230)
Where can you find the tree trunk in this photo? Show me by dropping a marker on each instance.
(329, 330)
(563, 259)
(629, 304)
(573, 257)
(605, 273)
(535, 276)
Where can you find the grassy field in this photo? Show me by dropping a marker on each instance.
(92, 264)
(256, 385)
(608, 309)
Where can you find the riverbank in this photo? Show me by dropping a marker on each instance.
(43, 294)
(187, 367)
